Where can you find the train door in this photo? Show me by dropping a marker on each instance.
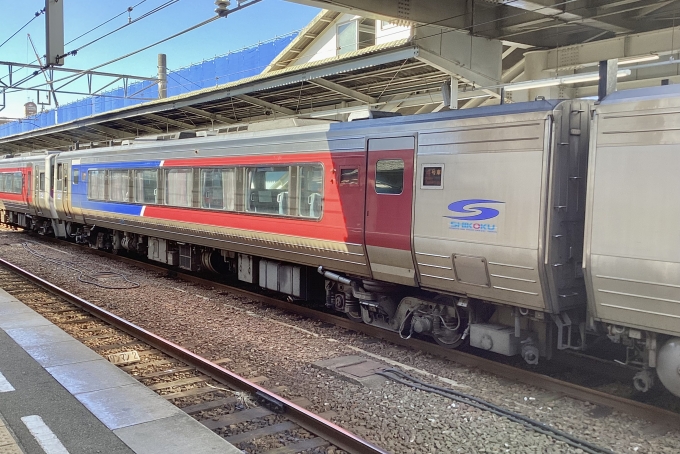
(76, 186)
(61, 190)
(39, 189)
(28, 183)
(389, 202)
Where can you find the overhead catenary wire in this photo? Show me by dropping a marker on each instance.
(128, 10)
(143, 16)
(467, 399)
(205, 22)
(37, 14)
(83, 72)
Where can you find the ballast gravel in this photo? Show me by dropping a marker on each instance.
(282, 347)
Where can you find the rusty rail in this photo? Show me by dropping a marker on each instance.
(321, 427)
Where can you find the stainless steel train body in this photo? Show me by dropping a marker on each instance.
(458, 225)
(632, 239)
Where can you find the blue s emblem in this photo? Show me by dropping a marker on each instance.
(468, 212)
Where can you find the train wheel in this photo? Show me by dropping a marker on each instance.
(355, 316)
(70, 230)
(352, 308)
(450, 326)
(450, 339)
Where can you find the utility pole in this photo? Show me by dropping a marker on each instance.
(162, 76)
(54, 32)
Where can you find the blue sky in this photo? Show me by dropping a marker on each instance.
(260, 22)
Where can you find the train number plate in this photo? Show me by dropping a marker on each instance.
(124, 357)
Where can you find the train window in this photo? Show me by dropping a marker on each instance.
(76, 172)
(268, 190)
(96, 188)
(389, 176)
(432, 177)
(179, 184)
(310, 179)
(146, 186)
(218, 188)
(17, 183)
(41, 179)
(119, 185)
(349, 176)
(60, 172)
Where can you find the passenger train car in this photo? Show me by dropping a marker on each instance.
(521, 228)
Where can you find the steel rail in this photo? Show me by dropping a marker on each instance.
(638, 409)
(323, 428)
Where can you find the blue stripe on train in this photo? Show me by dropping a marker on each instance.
(79, 191)
(113, 207)
(119, 165)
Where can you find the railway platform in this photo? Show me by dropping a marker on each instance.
(57, 396)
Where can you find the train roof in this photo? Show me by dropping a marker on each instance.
(478, 112)
(642, 94)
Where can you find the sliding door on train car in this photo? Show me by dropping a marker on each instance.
(389, 201)
(39, 190)
(61, 190)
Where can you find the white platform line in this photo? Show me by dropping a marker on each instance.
(5, 386)
(45, 437)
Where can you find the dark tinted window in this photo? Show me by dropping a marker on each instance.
(349, 176)
(432, 176)
(389, 176)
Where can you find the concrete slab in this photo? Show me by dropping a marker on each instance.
(23, 320)
(354, 368)
(60, 353)
(4, 296)
(90, 376)
(127, 405)
(38, 393)
(179, 436)
(11, 307)
(37, 335)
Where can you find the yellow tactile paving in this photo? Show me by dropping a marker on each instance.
(5, 437)
(10, 449)
(7, 443)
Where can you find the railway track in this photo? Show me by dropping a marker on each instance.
(651, 413)
(217, 397)
(657, 416)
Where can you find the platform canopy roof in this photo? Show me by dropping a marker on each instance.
(540, 23)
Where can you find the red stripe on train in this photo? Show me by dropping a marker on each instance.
(287, 158)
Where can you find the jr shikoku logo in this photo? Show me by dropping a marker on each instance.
(474, 215)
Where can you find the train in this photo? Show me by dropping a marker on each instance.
(520, 229)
